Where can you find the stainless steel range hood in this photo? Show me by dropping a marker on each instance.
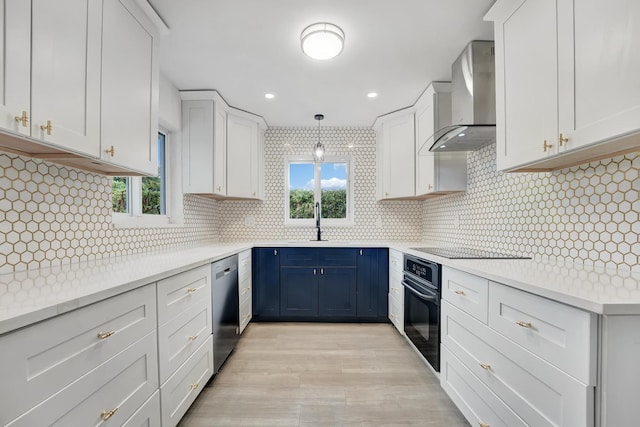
(473, 102)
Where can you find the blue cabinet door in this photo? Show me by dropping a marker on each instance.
(299, 291)
(266, 283)
(372, 282)
(337, 292)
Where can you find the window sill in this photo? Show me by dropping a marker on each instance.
(121, 220)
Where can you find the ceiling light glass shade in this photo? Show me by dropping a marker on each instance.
(322, 40)
(318, 152)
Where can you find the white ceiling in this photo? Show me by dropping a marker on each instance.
(246, 48)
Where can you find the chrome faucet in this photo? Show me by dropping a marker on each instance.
(318, 221)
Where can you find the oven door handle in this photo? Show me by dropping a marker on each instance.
(420, 295)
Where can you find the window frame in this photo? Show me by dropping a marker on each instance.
(325, 222)
(134, 218)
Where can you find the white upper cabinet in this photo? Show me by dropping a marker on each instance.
(129, 88)
(222, 148)
(396, 150)
(436, 173)
(244, 153)
(15, 64)
(65, 73)
(565, 81)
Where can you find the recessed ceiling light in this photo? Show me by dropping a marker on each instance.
(322, 40)
(372, 94)
(269, 95)
(461, 134)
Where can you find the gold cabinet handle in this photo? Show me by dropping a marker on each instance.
(105, 335)
(191, 290)
(23, 119)
(485, 366)
(194, 386)
(562, 140)
(524, 324)
(546, 146)
(193, 337)
(459, 292)
(48, 127)
(219, 188)
(483, 425)
(105, 415)
(430, 187)
(111, 151)
(247, 316)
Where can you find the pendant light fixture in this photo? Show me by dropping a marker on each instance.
(322, 40)
(318, 149)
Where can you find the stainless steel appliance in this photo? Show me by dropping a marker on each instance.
(225, 309)
(422, 307)
(467, 253)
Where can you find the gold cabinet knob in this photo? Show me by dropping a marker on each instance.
(193, 337)
(562, 140)
(524, 324)
(485, 366)
(194, 386)
(546, 146)
(23, 119)
(48, 127)
(105, 335)
(191, 290)
(460, 292)
(111, 151)
(105, 415)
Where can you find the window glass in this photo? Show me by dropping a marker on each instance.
(301, 190)
(153, 187)
(333, 190)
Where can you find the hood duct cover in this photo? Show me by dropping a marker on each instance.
(473, 102)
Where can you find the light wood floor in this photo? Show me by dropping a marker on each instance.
(318, 374)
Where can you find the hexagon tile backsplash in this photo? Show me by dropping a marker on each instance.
(586, 214)
(51, 215)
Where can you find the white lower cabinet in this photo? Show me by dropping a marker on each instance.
(182, 388)
(396, 290)
(148, 415)
(113, 391)
(512, 358)
(244, 288)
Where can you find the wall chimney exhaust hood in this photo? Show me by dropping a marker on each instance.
(473, 102)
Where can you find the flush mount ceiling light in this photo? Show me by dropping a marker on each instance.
(322, 40)
(318, 149)
(372, 95)
(269, 95)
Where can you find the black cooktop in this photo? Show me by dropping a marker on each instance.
(467, 253)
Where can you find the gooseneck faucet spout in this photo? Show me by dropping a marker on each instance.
(318, 221)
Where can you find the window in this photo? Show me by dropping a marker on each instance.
(328, 183)
(136, 198)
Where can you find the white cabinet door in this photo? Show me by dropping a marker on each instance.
(129, 89)
(599, 68)
(242, 157)
(65, 73)
(197, 145)
(15, 63)
(219, 149)
(425, 128)
(527, 82)
(396, 152)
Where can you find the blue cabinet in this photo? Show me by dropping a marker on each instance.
(329, 284)
(372, 283)
(266, 283)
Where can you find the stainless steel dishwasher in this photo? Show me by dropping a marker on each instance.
(225, 309)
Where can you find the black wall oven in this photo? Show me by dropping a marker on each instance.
(422, 307)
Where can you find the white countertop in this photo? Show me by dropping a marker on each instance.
(34, 295)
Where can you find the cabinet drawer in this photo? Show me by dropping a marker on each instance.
(244, 290)
(180, 337)
(122, 383)
(298, 257)
(337, 257)
(180, 292)
(244, 265)
(396, 314)
(466, 291)
(396, 290)
(396, 263)
(179, 392)
(478, 404)
(245, 314)
(537, 391)
(47, 356)
(148, 415)
(562, 335)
